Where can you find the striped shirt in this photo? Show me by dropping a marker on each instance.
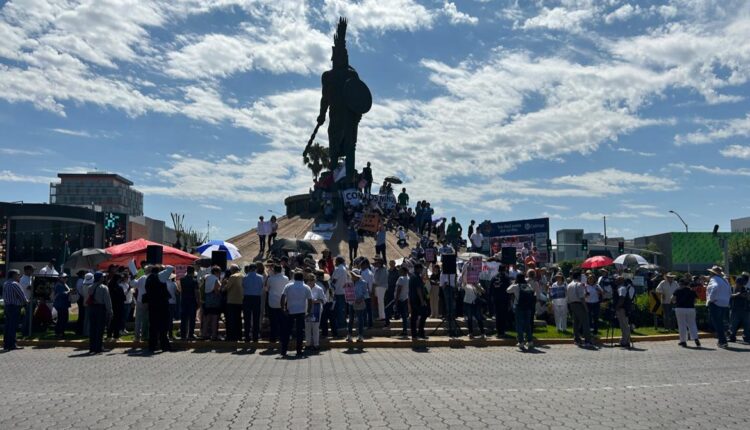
(13, 294)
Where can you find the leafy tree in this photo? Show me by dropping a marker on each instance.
(739, 254)
(567, 265)
(316, 158)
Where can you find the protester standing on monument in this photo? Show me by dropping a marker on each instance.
(419, 303)
(353, 240)
(683, 301)
(576, 296)
(367, 177)
(276, 284)
(100, 312)
(665, 289)
(61, 304)
(295, 300)
(188, 305)
(453, 233)
(403, 199)
(263, 231)
(14, 299)
(273, 228)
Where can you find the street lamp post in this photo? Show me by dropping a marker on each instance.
(686, 231)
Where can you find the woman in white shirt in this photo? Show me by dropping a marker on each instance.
(128, 306)
(594, 295)
(559, 302)
(312, 323)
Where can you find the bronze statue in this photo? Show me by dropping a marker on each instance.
(347, 98)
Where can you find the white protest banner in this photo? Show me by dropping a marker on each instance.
(352, 196)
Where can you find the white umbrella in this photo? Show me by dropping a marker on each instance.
(630, 260)
(219, 245)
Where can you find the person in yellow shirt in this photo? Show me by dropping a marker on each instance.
(234, 303)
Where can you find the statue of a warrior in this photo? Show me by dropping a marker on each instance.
(347, 98)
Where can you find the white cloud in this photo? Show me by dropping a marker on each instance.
(613, 181)
(211, 207)
(571, 15)
(717, 131)
(456, 16)
(589, 216)
(720, 171)
(623, 13)
(381, 15)
(23, 152)
(8, 176)
(736, 151)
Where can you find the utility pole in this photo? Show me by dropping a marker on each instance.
(605, 231)
(686, 231)
(208, 230)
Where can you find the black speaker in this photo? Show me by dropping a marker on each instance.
(219, 258)
(449, 264)
(154, 254)
(508, 255)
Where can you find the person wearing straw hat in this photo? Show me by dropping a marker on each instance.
(718, 294)
(666, 289)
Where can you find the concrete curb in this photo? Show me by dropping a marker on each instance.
(342, 344)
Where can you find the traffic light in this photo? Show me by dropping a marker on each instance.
(621, 247)
(549, 246)
(584, 245)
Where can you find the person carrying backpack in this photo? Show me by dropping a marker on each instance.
(524, 301)
(623, 300)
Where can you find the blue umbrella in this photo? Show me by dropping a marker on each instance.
(219, 245)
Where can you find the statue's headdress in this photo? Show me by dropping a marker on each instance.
(340, 55)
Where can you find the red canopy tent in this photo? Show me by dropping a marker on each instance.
(121, 254)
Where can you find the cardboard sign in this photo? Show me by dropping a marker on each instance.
(349, 292)
(557, 292)
(370, 222)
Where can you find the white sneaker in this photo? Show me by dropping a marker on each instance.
(530, 345)
(348, 338)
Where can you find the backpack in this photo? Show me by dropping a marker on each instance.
(526, 299)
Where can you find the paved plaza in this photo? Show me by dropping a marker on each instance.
(659, 385)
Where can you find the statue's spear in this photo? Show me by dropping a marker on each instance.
(309, 142)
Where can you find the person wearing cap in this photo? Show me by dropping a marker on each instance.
(235, 296)
(100, 311)
(718, 295)
(683, 301)
(740, 310)
(61, 304)
(575, 294)
(312, 323)
(559, 302)
(357, 309)
(666, 289)
(296, 301)
(15, 299)
(252, 289)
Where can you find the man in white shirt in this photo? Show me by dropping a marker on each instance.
(369, 278)
(476, 241)
(718, 295)
(141, 309)
(275, 285)
(339, 278)
(263, 231)
(576, 295)
(26, 282)
(296, 299)
(49, 269)
(666, 289)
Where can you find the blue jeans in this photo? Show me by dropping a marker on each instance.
(12, 315)
(361, 316)
(62, 321)
(739, 319)
(717, 315)
(523, 324)
(338, 310)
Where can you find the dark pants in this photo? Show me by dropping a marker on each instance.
(62, 321)
(594, 309)
(251, 313)
(353, 247)
(339, 309)
(389, 305)
(523, 325)
(580, 322)
(115, 325)
(234, 321)
(328, 319)
(474, 312)
(97, 321)
(297, 321)
(275, 318)
(501, 316)
(262, 242)
(739, 318)
(158, 320)
(717, 315)
(187, 318)
(12, 315)
(368, 312)
(668, 313)
(361, 317)
(403, 310)
(419, 316)
(380, 250)
(172, 317)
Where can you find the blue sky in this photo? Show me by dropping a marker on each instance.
(491, 109)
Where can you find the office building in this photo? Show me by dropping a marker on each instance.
(110, 192)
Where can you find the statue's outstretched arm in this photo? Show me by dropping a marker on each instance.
(323, 103)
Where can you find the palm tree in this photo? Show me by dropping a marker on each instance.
(316, 158)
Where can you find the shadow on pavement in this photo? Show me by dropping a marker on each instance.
(244, 351)
(422, 349)
(354, 350)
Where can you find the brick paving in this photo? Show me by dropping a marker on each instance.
(658, 386)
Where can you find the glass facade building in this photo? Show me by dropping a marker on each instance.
(111, 192)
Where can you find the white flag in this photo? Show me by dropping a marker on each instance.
(339, 173)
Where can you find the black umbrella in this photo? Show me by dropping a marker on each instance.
(393, 180)
(293, 245)
(87, 258)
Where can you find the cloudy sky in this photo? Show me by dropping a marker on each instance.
(490, 109)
